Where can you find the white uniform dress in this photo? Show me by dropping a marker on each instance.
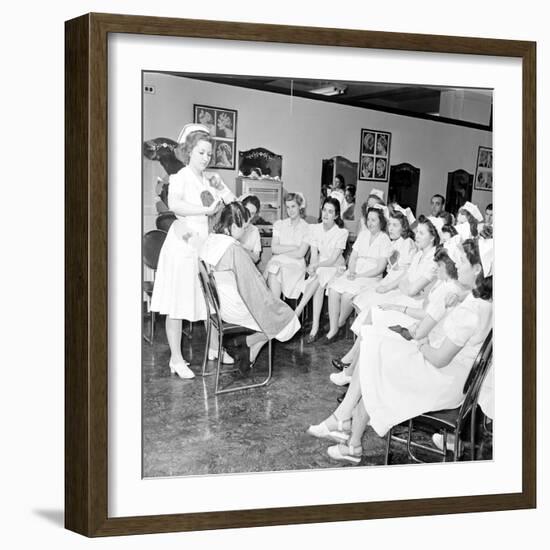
(398, 383)
(422, 266)
(369, 251)
(327, 242)
(289, 271)
(177, 290)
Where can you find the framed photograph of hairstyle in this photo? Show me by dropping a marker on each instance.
(148, 451)
(484, 169)
(222, 124)
(374, 155)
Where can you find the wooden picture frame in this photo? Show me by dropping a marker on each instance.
(86, 279)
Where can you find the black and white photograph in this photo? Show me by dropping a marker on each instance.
(484, 169)
(222, 127)
(279, 333)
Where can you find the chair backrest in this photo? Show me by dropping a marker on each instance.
(165, 220)
(152, 244)
(209, 291)
(477, 374)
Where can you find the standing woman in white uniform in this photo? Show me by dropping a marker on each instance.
(366, 266)
(286, 269)
(327, 240)
(193, 196)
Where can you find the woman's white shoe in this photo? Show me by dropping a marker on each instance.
(322, 431)
(340, 378)
(438, 441)
(182, 370)
(351, 456)
(226, 358)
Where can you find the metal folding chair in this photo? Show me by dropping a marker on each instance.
(450, 421)
(214, 319)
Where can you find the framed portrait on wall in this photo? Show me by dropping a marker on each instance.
(222, 124)
(374, 158)
(484, 169)
(135, 460)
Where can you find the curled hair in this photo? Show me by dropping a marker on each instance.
(406, 231)
(489, 207)
(298, 198)
(447, 218)
(338, 216)
(471, 221)
(448, 228)
(254, 200)
(442, 256)
(232, 213)
(483, 285)
(366, 211)
(352, 189)
(183, 150)
(431, 228)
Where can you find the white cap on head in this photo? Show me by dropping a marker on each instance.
(453, 248)
(473, 209)
(191, 127)
(407, 212)
(384, 209)
(486, 253)
(378, 192)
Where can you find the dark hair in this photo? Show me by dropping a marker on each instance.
(232, 213)
(298, 198)
(406, 231)
(352, 189)
(438, 196)
(431, 228)
(448, 228)
(366, 211)
(254, 200)
(183, 150)
(341, 181)
(378, 199)
(336, 203)
(471, 220)
(447, 217)
(489, 206)
(442, 256)
(484, 285)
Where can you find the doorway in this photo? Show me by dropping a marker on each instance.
(459, 190)
(403, 187)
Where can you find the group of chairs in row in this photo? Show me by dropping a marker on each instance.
(453, 422)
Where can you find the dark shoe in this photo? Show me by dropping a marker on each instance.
(242, 359)
(339, 365)
(312, 338)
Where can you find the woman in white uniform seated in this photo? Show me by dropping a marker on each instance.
(327, 240)
(398, 379)
(194, 196)
(366, 266)
(244, 297)
(467, 221)
(250, 238)
(286, 269)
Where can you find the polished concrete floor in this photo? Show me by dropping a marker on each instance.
(187, 430)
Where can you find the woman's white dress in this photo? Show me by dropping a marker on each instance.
(398, 383)
(369, 252)
(327, 242)
(290, 272)
(177, 292)
(422, 266)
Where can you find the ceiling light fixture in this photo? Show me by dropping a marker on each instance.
(329, 90)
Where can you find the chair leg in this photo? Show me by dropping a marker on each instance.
(207, 345)
(219, 361)
(473, 433)
(388, 443)
(152, 327)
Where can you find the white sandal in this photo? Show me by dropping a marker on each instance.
(226, 358)
(323, 432)
(351, 456)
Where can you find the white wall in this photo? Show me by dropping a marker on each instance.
(33, 348)
(306, 131)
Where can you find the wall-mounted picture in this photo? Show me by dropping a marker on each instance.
(222, 124)
(374, 155)
(484, 169)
